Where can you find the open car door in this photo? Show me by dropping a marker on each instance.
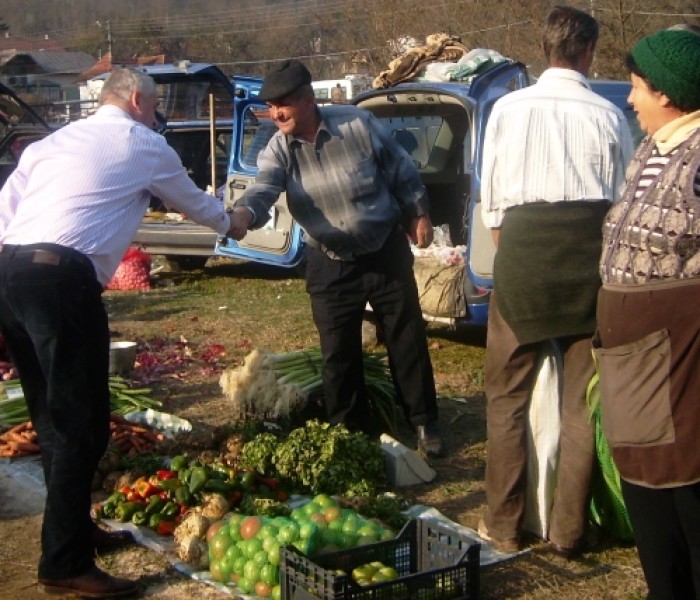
(280, 241)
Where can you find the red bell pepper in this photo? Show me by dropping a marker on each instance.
(133, 496)
(166, 527)
(166, 474)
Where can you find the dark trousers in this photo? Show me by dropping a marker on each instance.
(509, 378)
(666, 525)
(56, 330)
(340, 291)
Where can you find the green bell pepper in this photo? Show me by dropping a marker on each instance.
(178, 463)
(170, 510)
(155, 505)
(139, 518)
(183, 496)
(198, 478)
(126, 510)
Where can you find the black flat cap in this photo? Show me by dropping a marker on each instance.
(283, 80)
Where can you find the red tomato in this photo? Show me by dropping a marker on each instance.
(262, 589)
(250, 527)
(213, 528)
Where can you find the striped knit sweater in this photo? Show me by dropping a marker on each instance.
(653, 233)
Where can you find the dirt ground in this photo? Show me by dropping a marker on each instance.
(189, 388)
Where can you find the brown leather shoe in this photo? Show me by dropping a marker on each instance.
(429, 441)
(92, 584)
(107, 541)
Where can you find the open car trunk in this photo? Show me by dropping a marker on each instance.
(436, 128)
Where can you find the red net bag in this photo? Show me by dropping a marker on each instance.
(133, 272)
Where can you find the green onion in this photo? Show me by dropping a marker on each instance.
(275, 385)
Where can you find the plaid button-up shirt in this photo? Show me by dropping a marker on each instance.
(348, 189)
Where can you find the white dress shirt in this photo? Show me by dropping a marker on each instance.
(87, 187)
(550, 142)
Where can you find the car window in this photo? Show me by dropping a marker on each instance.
(257, 130)
(189, 100)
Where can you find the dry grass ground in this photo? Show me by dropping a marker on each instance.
(242, 306)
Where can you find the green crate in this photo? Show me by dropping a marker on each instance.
(433, 561)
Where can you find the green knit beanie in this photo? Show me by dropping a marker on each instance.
(670, 60)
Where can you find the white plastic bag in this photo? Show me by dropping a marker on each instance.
(544, 425)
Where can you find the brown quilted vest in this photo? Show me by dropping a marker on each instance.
(655, 237)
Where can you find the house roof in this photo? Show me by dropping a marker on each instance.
(27, 44)
(52, 63)
(105, 64)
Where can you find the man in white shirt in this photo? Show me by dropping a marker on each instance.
(67, 214)
(554, 159)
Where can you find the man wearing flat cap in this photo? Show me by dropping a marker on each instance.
(357, 195)
(648, 342)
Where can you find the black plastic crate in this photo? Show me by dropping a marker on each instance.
(433, 562)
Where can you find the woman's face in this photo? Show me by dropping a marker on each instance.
(650, 105)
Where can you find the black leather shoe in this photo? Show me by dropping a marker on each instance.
(429, 441)
(92, 584)
(107, 541)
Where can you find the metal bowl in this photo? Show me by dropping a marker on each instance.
(122, 356)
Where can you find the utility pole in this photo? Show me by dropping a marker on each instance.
(108, 28)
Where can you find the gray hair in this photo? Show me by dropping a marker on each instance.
(123, 82)
(567, 33)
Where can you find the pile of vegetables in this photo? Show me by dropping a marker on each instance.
(20, 440)
(275, 386)
(319, 458)
(129, 438)
(13, 408)
(213, 489)
(159, 501)
(244, 550)
(122, 397)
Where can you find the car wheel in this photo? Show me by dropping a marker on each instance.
(189, 263)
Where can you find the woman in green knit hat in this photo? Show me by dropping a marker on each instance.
(648, 341)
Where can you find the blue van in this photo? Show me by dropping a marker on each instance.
(441, 125)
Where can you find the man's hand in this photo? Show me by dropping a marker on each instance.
(421, 231)
(239, 219)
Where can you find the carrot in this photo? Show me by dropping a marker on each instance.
(138, 429)
(137, 444)
(122, 445)
(26, 447)
(20, 427)
(12, 436)
(30, 435)
(149, 436)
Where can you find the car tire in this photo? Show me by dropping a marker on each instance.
(189, 263)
